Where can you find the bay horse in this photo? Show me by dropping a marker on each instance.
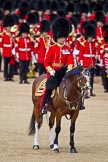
(66, 101)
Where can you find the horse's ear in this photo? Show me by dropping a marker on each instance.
(90, 67)
(80, 67)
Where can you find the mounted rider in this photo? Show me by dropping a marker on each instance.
(58, 59)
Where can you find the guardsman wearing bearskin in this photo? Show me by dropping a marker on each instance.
(88, 50)
(42, 44)
(24, 49)
(103, 52)
(7, 44)
(57, 58)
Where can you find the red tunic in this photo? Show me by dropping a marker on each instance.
(58, 56)
(103, 52)
(87, 54)
(40, 46)
(7, 44)
(24, 47)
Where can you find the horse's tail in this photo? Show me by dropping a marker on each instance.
(32, 124)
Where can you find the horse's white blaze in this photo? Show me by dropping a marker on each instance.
(52, 135)
(55, 147)
(88, 81)
(36, 140)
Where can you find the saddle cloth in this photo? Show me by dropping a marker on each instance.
(41, 87)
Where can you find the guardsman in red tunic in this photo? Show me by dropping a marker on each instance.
(7, 44)
(87, 54)
(103, 52)
(42, 44)
(100, 19)
(57, 57)
(69, 10)
(24, 49)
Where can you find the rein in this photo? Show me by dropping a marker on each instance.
(71, 104)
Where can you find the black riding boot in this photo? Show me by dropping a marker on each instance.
(45, 101)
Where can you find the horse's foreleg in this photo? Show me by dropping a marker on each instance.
(57, 131)
(72, 131)
(51, 126)
(36, 140)
(36, 135)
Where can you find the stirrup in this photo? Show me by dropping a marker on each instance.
(44, 111)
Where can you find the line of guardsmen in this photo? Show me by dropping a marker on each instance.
(25, 36)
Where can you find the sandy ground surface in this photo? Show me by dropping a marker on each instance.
(91, 136)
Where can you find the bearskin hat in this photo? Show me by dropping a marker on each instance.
(31, 18)
(62, 5)
(92, 6)
(36, 17)
(45, 26)
(7, 5)
(77, 17)
(24, 28)
(84, 24)
(40, 6)
(105, 31)
(24, 5)
(53, 17)
(100, 17)
(70, 7)
(84, 8)
(60, 28)
(61, 13)
(73, 21)
(47, 5)
(8, 20)
(22, 14)
(90, 31)
(16, 18)
(1, 14)
(106, 7)
(33, 5)
(54, 6)
(98, 7)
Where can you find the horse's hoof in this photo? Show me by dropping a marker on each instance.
(36, 147)
(73, 150)
(56, 150)
(51, 146)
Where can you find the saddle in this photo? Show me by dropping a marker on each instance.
(41, 87)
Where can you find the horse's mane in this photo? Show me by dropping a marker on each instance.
(74, 71)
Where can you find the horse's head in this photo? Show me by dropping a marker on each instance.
(79, 77)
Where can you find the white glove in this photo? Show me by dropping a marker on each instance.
(17, 57)
(81, 62)
(75, 52)
(52, 72)
(13, 51)
(68, 70)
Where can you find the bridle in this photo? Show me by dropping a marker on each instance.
(73, 105)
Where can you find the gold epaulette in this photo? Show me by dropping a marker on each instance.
(1, 34)
(99, 41)
(96, 44)
(17, 39)
(102, 46)
(83, 43)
